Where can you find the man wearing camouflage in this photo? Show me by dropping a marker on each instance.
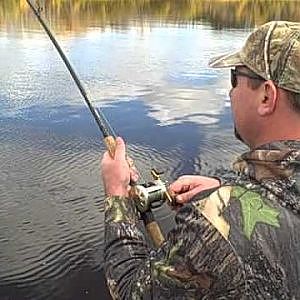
(238, 239)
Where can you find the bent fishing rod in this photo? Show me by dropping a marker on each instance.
(146, 195)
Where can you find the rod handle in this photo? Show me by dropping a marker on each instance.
(153, 228)
(154, 231)
(110, 143)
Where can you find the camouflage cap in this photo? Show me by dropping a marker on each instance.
(271, 51)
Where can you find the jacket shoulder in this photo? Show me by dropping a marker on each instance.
(212, 206)
(237, 206)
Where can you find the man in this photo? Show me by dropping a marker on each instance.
(240, 239)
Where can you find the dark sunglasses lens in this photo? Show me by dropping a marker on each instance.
(233, 78)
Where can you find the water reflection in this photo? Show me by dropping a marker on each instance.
(78, 15)
(173, 83)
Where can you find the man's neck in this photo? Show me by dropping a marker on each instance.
(282, 126)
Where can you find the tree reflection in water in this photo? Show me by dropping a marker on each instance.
(77, 15)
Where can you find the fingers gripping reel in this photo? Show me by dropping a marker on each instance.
(152, 194)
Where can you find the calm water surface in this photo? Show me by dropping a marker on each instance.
(145, 65)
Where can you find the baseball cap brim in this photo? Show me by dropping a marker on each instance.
(226, 60)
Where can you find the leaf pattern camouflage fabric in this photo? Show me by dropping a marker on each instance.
(240, 241)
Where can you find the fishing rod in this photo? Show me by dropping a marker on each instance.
(147, 195)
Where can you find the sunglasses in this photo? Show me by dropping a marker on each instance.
(234, 73)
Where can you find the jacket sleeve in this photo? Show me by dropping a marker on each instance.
(194, 261)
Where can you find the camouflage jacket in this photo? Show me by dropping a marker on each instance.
(240, 241)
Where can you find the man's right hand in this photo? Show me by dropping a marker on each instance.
(187, 186)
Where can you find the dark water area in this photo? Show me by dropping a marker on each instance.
(144, 63)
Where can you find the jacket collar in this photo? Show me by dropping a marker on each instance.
(277, 160)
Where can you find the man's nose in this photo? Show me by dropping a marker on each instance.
(230, 92)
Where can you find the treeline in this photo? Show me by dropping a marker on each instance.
(78, 14)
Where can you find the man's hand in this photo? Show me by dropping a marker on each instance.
(116, 172)
(187, 186)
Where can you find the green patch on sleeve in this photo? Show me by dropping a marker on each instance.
(254, 210)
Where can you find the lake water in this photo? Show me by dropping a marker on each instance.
(144, 63)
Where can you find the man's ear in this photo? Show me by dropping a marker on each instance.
(268, 98)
